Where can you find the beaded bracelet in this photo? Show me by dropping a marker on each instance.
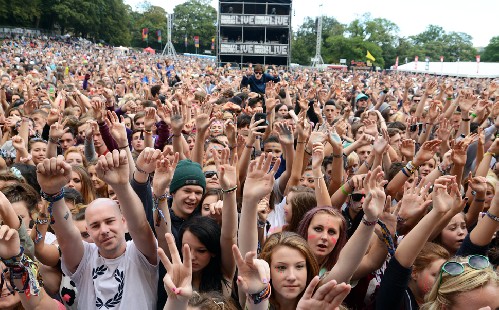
(492, 216)
(161, 215)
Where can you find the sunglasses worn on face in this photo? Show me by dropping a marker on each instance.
(477, 262)
(357, 197)
(258, 72)
(210, 174)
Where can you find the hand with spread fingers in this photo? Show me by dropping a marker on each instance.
(329, 296)
(178, 278)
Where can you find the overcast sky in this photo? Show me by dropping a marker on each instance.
(478, 18)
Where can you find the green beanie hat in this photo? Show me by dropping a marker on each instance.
(187, 172)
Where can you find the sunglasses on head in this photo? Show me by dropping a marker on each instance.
(453, 268)
(210, 174)
(357, 196)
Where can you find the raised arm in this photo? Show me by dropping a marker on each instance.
(227, 170)
(321, 193)
(113, 169)
(161, 183)
(56, 132)
(203, 122)
(53, 174)
(11, 253)
(353, 252)
(259, 183)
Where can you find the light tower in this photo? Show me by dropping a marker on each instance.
(318, 58)
(170, 50)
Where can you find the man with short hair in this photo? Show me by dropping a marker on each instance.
(111, 273)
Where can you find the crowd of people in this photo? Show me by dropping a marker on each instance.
(141, 182)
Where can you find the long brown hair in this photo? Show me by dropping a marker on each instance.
(296, 242)
(87, 189)
(332, 258)
(302, 201)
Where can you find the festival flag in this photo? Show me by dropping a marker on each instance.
(370, 57)
(158, 33)
(477, 62)
(185, 41)
(196, 41)
(416, 62)
(397, 63)
(145, 33)
(441, 58)
(212, 43)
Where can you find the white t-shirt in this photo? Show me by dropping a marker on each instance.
(126, 282)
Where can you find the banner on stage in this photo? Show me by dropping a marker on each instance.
(258, 49)
(263, 20)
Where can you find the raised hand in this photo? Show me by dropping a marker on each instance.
(426, 152)
(285, 134)
(442, 198)
(113, 168)
(163, 174)
(380, 145)
(414, 202)
(253, 131)
(458, 154)
(227, 170)
(98, 108)
(202, 116)
(408, 148)
(317, 155)
(375, 200)
(370, 127)
(53, 174)
(150, 118)
(178, 278)
(467, 101)
(10, 245)
(18, 143)
(117, 129)
(327, 297)
(260, 180)
(58, 129)
(443, 131)
(253, 274)
(177, 120)
(147, 159)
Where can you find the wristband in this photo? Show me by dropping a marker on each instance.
(343, 190)
(123, 147)
(466, 119)
(140, 170)
(449, 98)
(336, 156)
(225, 191)
(479, 200)
(261, 296)
(51, 198)
(490, 153)
(368, 223)
(53, 140)
(473, 114)
(405, 172)
(249, 146)
(149, 132)
(492, 216)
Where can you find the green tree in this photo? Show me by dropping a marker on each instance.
(153, 18)
(194, 18)
(491, 51)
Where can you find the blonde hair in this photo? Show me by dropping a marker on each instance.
(443, 294)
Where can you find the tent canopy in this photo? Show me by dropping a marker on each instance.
(149, 50)
(462, 69)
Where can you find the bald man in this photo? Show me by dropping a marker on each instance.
(110, 273)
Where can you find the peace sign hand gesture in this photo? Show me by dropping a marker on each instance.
(253, 274)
